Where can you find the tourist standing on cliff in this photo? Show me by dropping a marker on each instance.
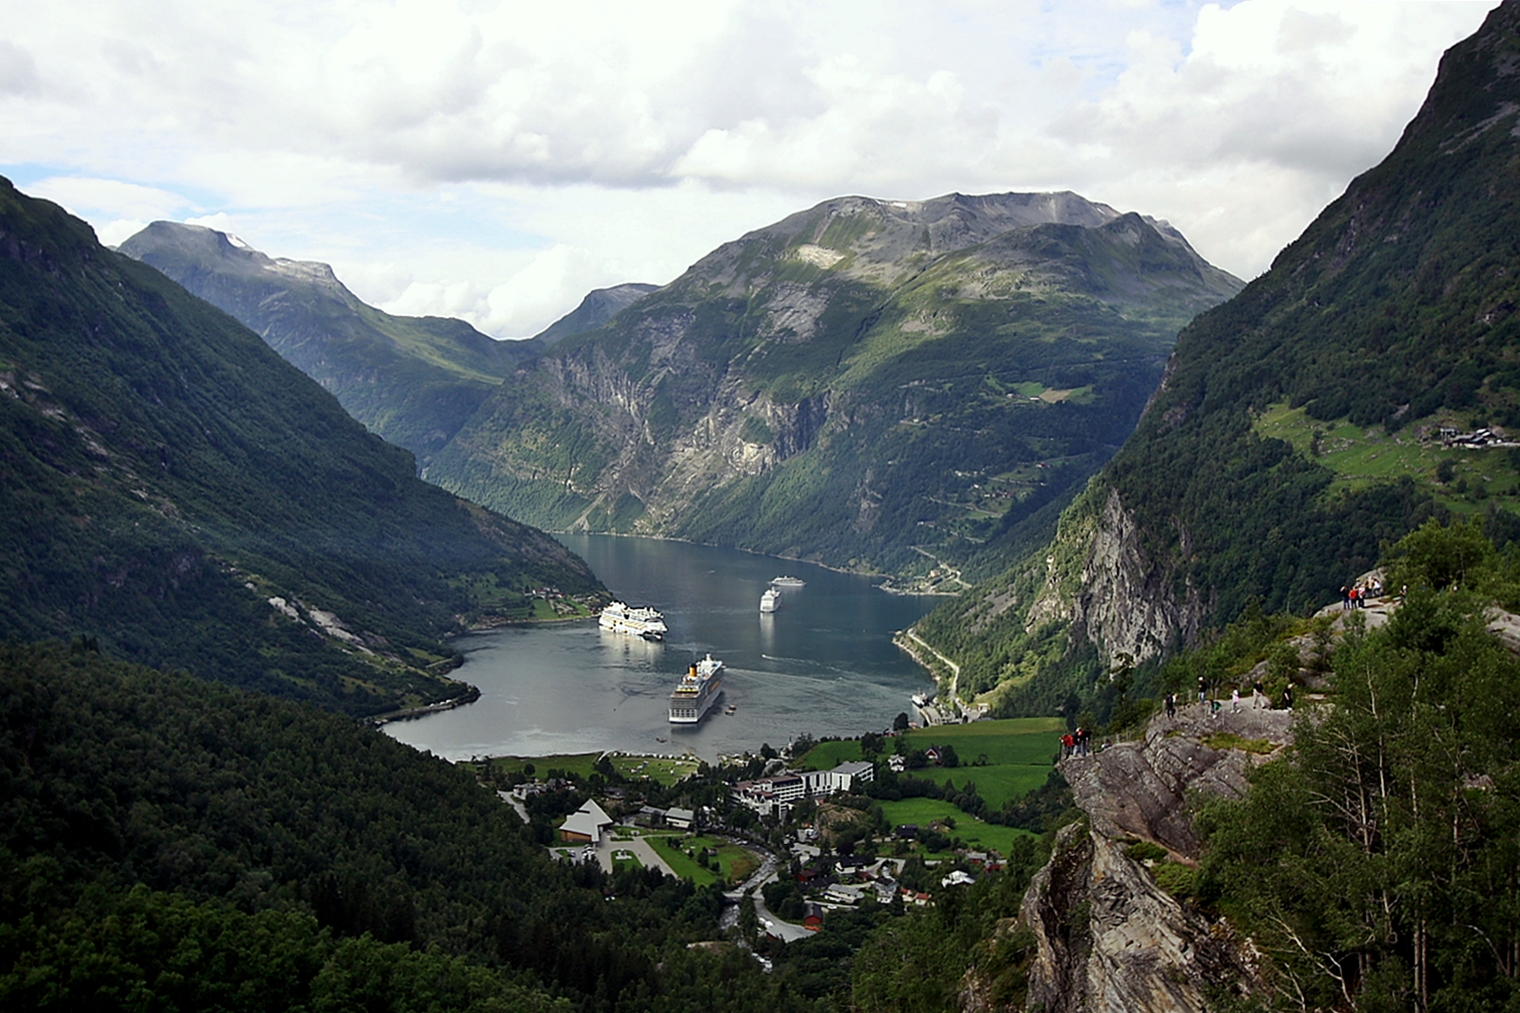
(1171, 706)
(1235, 700)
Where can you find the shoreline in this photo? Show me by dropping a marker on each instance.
(436, 707)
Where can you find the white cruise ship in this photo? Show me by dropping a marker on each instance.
(697, 691)
(643, 622)
(770, 601)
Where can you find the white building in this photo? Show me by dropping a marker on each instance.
(778, 794)
(585, 825)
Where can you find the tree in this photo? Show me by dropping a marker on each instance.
(900, 723)
(1376, 863)
(1441, 557)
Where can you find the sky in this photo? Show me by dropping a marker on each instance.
(497, 160)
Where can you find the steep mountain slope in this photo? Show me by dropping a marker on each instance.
(1299, 425)
(413, 380)
(871, 384)
(599, 306)
(171, 486)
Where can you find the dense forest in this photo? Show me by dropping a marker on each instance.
(173, 488)
(169, 843)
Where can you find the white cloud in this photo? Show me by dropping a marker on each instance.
(498, 158)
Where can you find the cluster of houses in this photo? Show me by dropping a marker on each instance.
(588, 823)
(1452, 437)
(776, 795)
(853, 879)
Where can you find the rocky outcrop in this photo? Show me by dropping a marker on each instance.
(1127, 604)
(1111, 591)
(1110, 940)
(1107, 936)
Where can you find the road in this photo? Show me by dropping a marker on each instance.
(767, 873)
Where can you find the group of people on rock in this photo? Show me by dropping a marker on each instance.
(1076, 743)
(1356, 595)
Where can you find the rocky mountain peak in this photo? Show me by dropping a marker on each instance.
(167, 245)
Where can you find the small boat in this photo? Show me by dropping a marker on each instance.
(770, 601)
(785, 581)
(730, 708)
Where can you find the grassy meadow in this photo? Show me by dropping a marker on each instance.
(1018, 754)
(666, 770)
(976, 834)
(1362, 456)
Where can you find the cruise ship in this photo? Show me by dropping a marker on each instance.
(788, 581)
(697, 691)
(770, 601)
(643, 622)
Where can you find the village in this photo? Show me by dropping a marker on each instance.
(778, 834)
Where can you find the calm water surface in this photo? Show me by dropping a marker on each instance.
(824, 664)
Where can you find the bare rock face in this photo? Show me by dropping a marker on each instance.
(1108, 937)
(1126, 606)
(1109, 588)
(1110, 940)
(1139, 789)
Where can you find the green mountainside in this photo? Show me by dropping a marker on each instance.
(1299, 426)
(892, 386)
(172, 487)
(413, 380)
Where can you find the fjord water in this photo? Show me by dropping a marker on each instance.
(822, 665)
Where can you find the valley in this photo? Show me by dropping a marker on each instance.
(249, 519)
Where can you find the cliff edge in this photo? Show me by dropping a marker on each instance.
(1108, 936)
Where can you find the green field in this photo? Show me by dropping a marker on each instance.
(923, 811)
(661, 769)
(1019, 752)
(736, 862)
(828, 755)
(1361, 456)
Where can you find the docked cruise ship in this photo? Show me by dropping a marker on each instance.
(697, 691)
(643, 622)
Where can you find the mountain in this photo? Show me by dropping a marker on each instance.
(881, 385)
(599, 306)
(1302, 424)
(413, 380)
(173, 490)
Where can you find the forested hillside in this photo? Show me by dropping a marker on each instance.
(1303, 424)
(173, 489)
(168, 842)
(165, 843)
